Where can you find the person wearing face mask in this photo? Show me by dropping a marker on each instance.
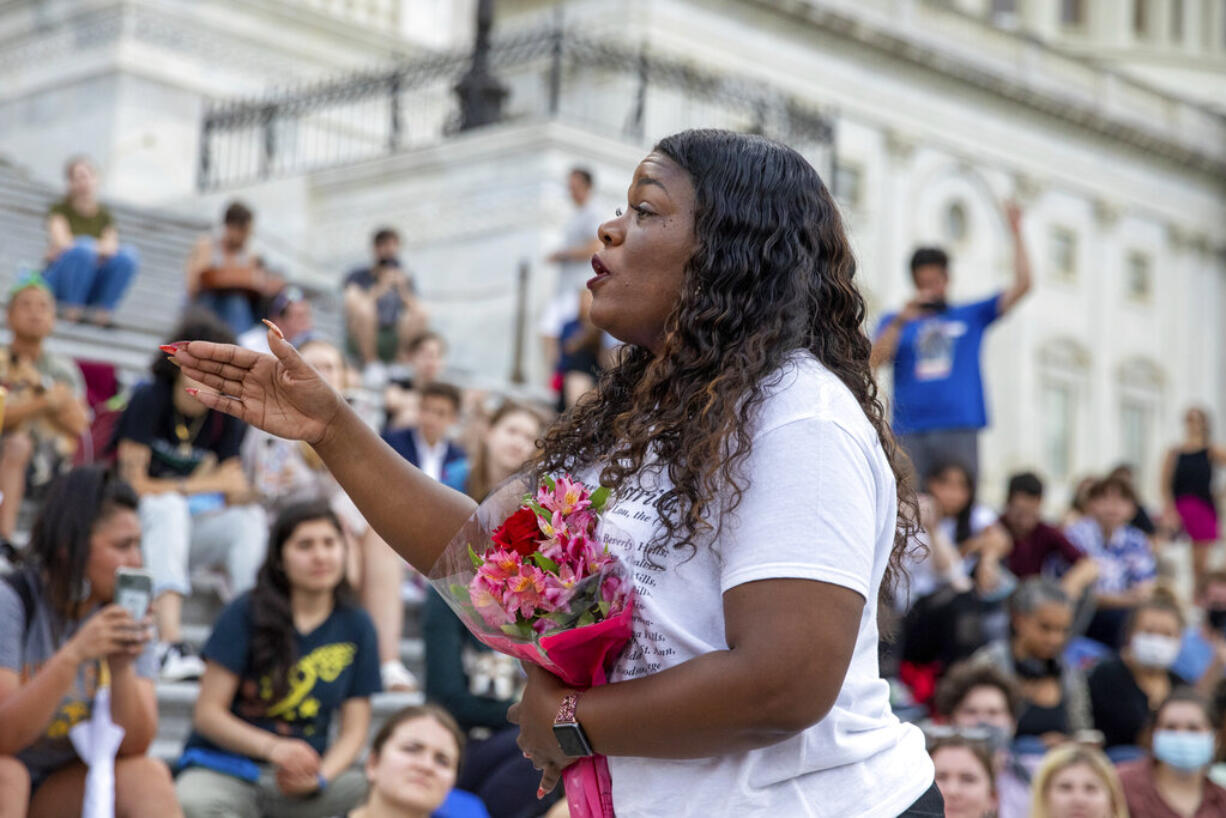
(412, 768)
(1172, 782)
(976, 696)
(1075, 781)
(1055, 698)
(965, 777)
(1126, 690)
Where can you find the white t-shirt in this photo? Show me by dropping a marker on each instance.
(819, 504)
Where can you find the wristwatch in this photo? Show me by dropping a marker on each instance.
(568, 731)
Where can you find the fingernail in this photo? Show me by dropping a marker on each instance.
(171, 358)
(540, 793)
(274, 328)
(169, 349)
(193, 392)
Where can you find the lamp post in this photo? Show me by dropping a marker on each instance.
(480, 93)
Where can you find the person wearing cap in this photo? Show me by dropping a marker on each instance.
(291, 312)
(88, 270)
(46, 412)
(382, 310)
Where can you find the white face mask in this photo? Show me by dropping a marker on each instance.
(1153, 650)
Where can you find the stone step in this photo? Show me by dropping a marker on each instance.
(176, 701)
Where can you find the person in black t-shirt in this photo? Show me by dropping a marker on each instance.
(196, 507)
(283, 661)
(1125, 691)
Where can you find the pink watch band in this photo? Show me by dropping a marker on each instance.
(566, 711)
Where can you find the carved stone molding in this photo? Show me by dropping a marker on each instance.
(899, 146)
(1107, 213)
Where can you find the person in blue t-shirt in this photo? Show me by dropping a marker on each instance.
(939, 406)
(282, 661)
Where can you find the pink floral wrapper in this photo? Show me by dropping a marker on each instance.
(555, 598)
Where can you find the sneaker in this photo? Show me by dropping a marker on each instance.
(397, 678)
(179, 663)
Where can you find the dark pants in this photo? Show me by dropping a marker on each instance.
(937, 447)
(496, 771)
(929, 805)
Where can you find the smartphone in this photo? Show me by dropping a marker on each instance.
(134, 591)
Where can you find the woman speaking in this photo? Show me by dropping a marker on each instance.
(757, 490)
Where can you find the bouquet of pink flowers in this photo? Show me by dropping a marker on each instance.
(529, 576)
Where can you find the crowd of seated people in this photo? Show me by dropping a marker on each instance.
(1058, 671)
(1103, 695)
(313, 615)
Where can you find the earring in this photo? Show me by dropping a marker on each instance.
(618, 212)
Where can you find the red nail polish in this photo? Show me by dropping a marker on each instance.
(540, 793)
(193, 392)
(274, 328)
(169, 349)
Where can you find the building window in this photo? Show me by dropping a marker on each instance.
(1140, 18)
(1134, 436)
(849, 185)
(956, 227)
(1073, 12)
(1063, 254)
(1140, 399)
(1057, 419)
(1064, 367)
(1138, 276)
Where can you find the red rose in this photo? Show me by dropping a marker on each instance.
(519, 533)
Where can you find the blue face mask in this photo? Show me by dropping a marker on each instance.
(1183, 750)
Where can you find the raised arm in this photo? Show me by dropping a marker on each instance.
(282, 395)
(1021, 261)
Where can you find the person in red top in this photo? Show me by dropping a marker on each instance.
(1173, 782)
(1037, 545)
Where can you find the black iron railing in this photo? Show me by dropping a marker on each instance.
(625, 91)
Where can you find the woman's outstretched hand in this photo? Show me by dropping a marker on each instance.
(279, 393)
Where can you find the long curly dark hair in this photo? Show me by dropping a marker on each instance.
(273, 650)
(772, 274)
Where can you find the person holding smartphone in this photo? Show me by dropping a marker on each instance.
(934, 346)
(60, 634)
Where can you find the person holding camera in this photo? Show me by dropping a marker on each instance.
(934, 346)
(61, 638)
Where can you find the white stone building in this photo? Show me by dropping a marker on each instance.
(1106, 125)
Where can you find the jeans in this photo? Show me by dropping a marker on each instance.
(174, 541)
(78, 279)
(208, 794)
(234, 308)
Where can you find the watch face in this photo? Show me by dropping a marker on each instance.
(571, 740)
